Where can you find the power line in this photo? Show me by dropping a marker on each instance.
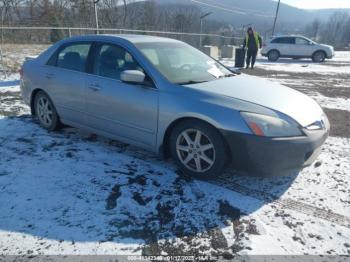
(238, 10)
(243, 9)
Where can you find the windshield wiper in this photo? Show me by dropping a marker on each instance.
(229, 75)
(191, 82)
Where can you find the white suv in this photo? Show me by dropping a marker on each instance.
(296, 47)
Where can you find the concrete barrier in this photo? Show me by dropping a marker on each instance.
(212, 51)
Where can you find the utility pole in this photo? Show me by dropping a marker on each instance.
(274, 23)
(2, 40)
(201, 27)
(96, 15)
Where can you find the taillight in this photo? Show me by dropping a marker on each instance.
(21, 73)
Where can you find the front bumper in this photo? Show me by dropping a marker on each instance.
(274, 156)
(331, 55)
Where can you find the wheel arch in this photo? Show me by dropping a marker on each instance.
(274, 49)
(165, 146)
(319, 50)
(32, 99)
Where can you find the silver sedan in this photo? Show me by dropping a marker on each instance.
(168, 97)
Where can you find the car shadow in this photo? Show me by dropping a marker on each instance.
(77, 187)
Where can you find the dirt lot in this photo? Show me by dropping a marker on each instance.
(71, 192)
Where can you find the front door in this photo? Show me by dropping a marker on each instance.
(126, 111)
(303, 47)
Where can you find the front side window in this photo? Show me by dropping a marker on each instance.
(72, 57)
(181, 63)
(301, 41)
(111, 60)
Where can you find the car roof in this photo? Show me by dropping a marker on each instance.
(133, 38)
(283, 36)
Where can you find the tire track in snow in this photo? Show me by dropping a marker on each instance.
(285, 203)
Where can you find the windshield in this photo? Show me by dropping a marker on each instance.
(311, 41)
(181, 63)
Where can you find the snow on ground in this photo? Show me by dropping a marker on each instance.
(15, 54)
(10, 98)
(67, 193)
(285, 65)
(340, 103)
(340, 64)
(71, 192)
(332, 102)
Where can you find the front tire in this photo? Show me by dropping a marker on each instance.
(45, 112)
(319, 57)
(198, 149)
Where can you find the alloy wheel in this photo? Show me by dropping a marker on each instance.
(195, 150)
(44, 111)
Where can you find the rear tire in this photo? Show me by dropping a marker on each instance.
(198, 149)
(45, 112)
(273, 55)
(319, 57)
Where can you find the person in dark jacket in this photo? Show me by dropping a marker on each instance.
(252, 42)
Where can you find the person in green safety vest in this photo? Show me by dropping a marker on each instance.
(252, 42)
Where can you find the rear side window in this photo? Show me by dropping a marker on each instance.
(283, 40)
(111, 60)
(72, 57)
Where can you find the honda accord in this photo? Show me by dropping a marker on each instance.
(168, 97)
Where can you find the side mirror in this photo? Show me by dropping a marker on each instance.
(133, 76)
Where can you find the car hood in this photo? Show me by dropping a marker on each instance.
(296, 105)
(326, 46)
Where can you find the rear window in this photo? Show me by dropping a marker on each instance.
(72, 57)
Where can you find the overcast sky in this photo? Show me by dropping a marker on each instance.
(317, 4)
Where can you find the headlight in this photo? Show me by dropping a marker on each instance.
(269, 126)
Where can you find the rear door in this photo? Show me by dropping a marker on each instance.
(65, 78)
(287, 46)
(128, 112)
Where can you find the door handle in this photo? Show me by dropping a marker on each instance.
(49, 75)
(95, 87)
